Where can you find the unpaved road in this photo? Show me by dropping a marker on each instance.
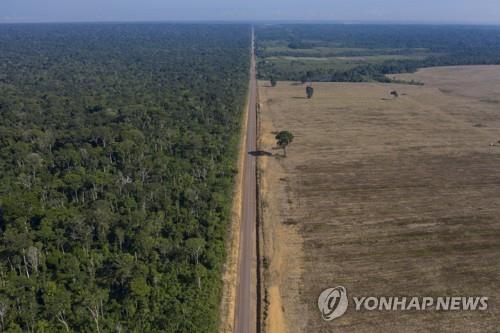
(245, 319)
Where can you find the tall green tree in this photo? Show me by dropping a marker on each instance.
(283, 139)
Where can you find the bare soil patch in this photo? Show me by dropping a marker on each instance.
(385, 197)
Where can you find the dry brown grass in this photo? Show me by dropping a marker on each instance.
(230, 269)
(385, 197)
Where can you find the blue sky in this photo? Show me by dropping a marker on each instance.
(442, 11)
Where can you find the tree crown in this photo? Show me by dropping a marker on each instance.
(284, 138)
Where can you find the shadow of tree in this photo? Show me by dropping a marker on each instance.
(259, 153)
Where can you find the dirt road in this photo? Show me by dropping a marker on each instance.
(245, 319)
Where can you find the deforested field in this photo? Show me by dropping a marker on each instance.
(384, 196)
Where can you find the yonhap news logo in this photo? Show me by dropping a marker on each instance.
(333, 303)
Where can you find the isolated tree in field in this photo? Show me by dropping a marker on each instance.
(394, 94)
(273, 82)
(309, 92)
(283, 139)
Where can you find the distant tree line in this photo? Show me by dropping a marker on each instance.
(435, 45)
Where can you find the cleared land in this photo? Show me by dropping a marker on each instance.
(385, 197)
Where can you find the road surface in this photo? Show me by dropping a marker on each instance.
(246, 296)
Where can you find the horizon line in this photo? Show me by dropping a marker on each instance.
(259, 21)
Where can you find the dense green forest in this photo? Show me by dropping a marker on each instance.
(328, 52)
(117, 151)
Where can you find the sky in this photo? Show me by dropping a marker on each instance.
(413, 11)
